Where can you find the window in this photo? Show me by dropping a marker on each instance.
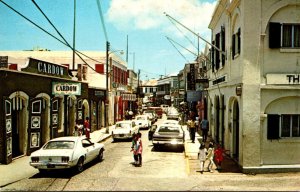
(290, 36)
(284, 35)
(290, 126)
(236, 43)
(283, 126)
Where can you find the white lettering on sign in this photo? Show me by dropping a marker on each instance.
(50, 69)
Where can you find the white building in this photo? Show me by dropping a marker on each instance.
(254, 89)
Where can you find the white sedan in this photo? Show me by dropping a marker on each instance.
(142, 121)
(124, 130)
(66, 152)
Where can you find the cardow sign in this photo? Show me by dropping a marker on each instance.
(64, 88)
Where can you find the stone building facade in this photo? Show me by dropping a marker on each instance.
(254, 88)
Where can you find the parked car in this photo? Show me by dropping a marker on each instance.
(168, 135)
(66, 152)
(142, 121)
(124, 129)
(173, 114)
(152, 115)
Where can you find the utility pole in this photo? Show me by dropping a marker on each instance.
(107, 89)
(138, 88)
(74, 28)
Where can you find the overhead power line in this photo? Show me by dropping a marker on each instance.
(178, 50)
(195, 34)
(102, 19)
(182, 33)
(47, 32)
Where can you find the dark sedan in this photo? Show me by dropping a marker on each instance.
(168, 135)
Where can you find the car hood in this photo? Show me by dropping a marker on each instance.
(53, 152)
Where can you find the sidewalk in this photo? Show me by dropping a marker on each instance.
(191, 153)
(16, 170)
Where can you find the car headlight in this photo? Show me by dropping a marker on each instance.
(173, 141)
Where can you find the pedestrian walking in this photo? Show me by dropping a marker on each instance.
(87, 128)
(210, 157)
(204, 128)
(139, 148)
(76, 128)
(134, 149)
(202, 156)
(192, 129)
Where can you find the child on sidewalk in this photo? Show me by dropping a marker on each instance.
(210, 157)
(219, 156)
(202, 156)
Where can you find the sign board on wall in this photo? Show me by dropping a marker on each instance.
(46, 68)
(65, 88)
(193, 96)
(283, 79)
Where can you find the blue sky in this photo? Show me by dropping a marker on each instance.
(142, 20)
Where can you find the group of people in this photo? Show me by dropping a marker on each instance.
(82, 128)
(137, 149)
(193, 126)
(211, 155)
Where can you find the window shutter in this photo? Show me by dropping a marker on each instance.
(274, 35)
(213, 57)
(273, 126)
(233, 46)
(239, 40)
(223, 44)
(217, 52)
(99, 68)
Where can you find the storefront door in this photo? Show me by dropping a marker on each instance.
(35, 123)
(54, 116)
(8, 130)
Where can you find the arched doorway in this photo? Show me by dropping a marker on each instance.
(18, 127)
(236, 130)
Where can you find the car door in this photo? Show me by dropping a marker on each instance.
(89, 149)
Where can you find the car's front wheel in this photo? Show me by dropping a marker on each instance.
(79, 166)
(100, 155)
(42, 171)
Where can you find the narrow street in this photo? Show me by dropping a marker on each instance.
(162, 170)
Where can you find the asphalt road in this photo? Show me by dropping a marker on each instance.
(163, 170)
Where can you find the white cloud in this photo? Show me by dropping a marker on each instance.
(149, 14)
(132, 15)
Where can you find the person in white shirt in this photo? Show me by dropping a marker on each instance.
(202, 156)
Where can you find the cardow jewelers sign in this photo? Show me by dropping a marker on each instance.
(64, 88)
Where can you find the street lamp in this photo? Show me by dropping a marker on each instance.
(107, 85)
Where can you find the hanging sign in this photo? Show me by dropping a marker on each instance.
(64, 88)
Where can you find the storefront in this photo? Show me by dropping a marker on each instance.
(39, 102)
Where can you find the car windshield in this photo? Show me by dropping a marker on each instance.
(60, 145)
(168, 129)
(122, 126)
